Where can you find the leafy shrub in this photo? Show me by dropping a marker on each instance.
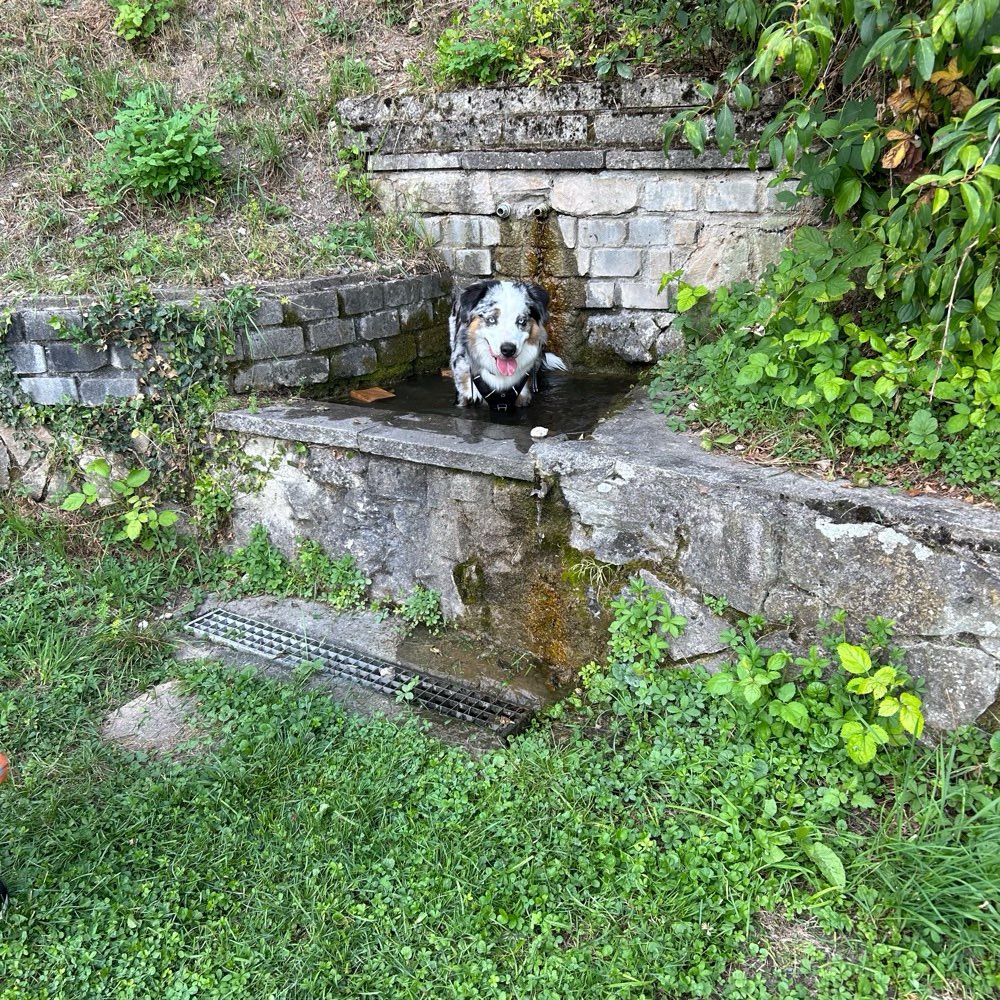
(337, 581)
(346, 239)
(136, 516)
(422, 607)
(867, 710)
(542, 41)
(157, 153)
(259, 567)
(332, 23)
(891, 324)
(638, 641)
(140, 18)
(350, 76)
(808, 355)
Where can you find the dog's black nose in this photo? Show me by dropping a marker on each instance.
(508, 350)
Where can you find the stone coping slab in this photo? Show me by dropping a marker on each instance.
(638, 437)
(425, 439)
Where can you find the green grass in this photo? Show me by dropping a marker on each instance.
(620, 850)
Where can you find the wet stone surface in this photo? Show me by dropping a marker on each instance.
(570, 405)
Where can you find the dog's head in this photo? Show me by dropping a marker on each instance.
(504, 322)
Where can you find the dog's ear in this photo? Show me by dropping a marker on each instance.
(538, 302)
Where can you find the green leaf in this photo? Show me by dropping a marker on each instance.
(99, 467)
(829, 864)
(777, 661)
(862, 413)
(912, 720)
(830, 385)
(973, 203)
(73, 502)
(846, 194)
(720, 684)
(922, 424)
(867, 154)
(795, 714)
(888, 707)
(167, 518)
(686, 298)
(924, 58)
(743, 96)
(861, 748)
(137, 477)
(983, 289)
(854, 659)
(133, 529)
(786, 692)
(750, 375)
(725, 129)
(694, 133)
(878, 734)
(884, 675)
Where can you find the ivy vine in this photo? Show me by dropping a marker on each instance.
(167, 429)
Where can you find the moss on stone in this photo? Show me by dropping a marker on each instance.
(470, 582)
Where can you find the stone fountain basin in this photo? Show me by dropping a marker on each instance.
(501, 524)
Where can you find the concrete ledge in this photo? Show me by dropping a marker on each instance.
(424, 439)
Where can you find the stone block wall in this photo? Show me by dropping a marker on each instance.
(313, 333)
(570, 187)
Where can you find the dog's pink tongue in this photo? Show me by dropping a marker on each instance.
(506, 366)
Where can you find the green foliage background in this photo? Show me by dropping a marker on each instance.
(883, 335)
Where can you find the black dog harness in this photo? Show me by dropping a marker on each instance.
(500, 399)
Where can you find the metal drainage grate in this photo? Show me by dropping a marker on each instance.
(506, 718)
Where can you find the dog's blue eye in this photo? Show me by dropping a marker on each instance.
(522, 321)
(490, 320)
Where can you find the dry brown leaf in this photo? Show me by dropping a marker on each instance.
(946, 77)
(961, 99)
(895, 155)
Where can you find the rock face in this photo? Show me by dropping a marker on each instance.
(500, 524)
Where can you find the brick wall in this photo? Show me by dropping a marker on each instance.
(587, 203)
(332, 332)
